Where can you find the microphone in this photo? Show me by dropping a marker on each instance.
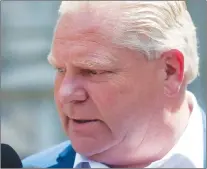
(9, 157)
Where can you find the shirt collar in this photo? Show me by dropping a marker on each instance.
(79, 158)
(188, 152)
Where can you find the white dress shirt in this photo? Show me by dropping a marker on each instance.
(188, 152)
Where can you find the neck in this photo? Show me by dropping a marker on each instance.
(178, 121)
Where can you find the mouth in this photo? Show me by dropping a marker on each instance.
(84, 121)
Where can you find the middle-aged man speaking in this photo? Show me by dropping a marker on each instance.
(121, 87)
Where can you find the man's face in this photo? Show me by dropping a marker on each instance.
(106, 96)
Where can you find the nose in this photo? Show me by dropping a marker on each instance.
(71, 92)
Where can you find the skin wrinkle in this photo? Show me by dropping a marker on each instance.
(94, 61)
(121, 141)
(85, 36)
(107, 58)
(138, 146)
(145, 132)
(130, 165)
(88, 63)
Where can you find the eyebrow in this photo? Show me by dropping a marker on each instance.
(90, 61)
(95, 61)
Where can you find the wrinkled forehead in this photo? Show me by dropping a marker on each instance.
(82, 28)
(71, 26)
(86, 21)
(81, 40)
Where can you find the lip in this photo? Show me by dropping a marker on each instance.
(84, 126)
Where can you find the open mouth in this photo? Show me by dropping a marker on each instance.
(83, 121)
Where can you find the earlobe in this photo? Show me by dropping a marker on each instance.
(172, 90)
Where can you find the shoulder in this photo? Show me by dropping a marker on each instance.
(46, 158)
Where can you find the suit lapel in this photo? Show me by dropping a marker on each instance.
(66, 158)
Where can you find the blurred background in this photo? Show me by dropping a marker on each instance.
(29, 121)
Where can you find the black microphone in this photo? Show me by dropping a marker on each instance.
(9, 157)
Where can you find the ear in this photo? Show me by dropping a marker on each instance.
(174, 71)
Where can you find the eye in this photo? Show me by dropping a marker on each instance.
(92, 72)
(88, 72)
(60, 70)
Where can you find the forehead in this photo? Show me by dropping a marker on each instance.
(80, 33)
(83, 36)
(71, 25)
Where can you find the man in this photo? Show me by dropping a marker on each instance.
(121, 87)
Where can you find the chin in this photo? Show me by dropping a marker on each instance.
(85, 146)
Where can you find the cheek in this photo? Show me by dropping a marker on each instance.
(104, 95)
(125, 102)
(110, 100)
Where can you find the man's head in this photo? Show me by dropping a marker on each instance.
(122, 71)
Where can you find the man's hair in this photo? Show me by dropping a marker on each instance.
(152, 27)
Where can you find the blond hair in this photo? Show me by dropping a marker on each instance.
(149, 26)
